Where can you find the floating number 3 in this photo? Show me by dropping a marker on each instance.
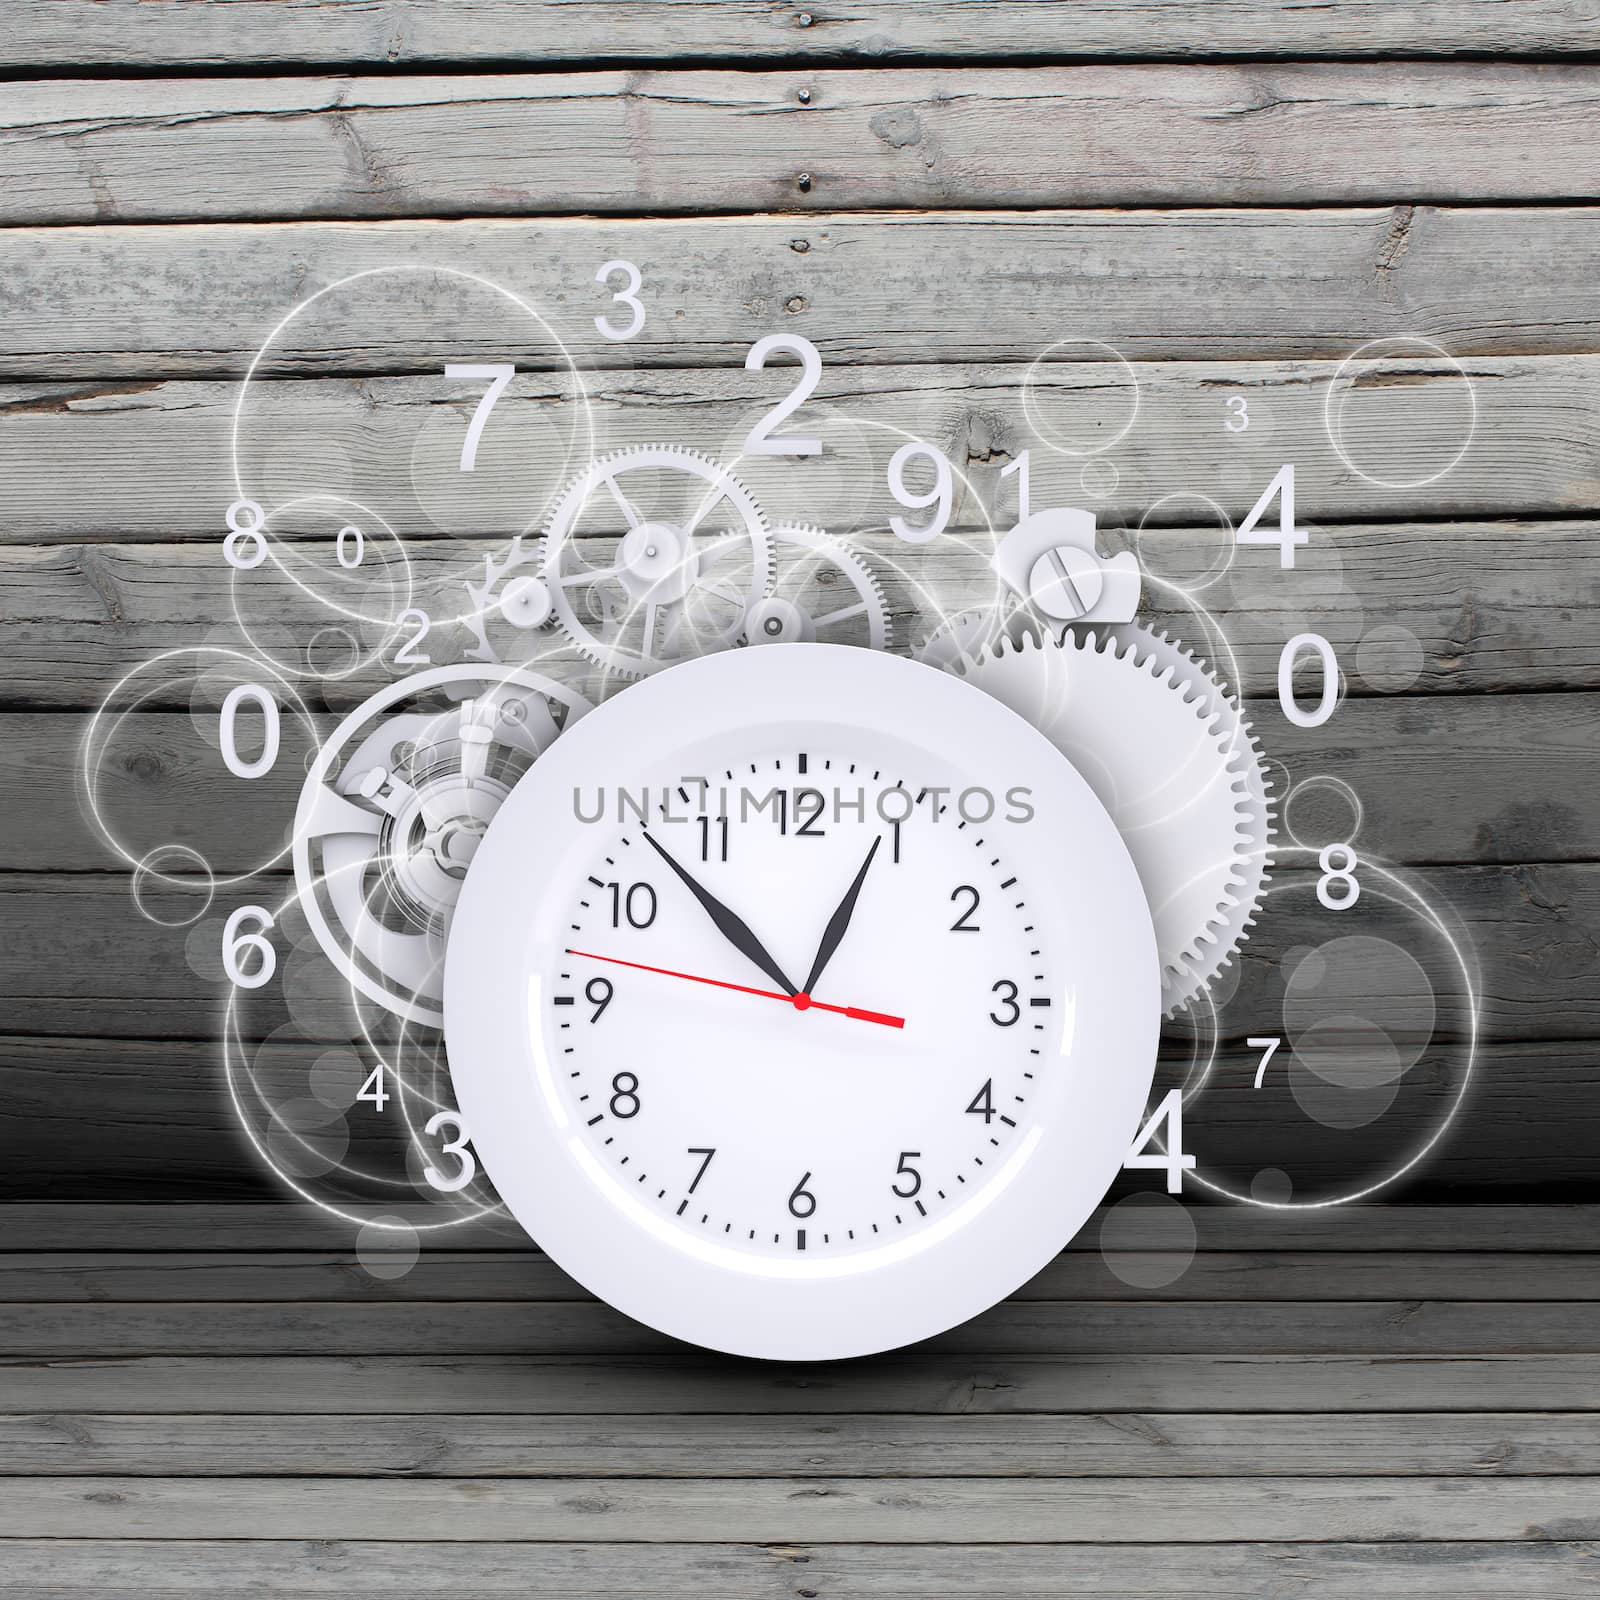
(457, 1147)
(1337, 888)
(628, 296)
(1238, 418)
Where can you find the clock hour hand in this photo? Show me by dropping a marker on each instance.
(730, 924)
(833, 934)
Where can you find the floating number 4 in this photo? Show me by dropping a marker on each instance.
(1172, 1160)
(372, 1091)
(1287, 536)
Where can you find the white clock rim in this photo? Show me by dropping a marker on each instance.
(1060, 1170)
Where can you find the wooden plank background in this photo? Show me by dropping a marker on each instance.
(201, 1389)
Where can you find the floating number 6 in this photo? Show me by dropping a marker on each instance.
(234, 944)
(456, 1147)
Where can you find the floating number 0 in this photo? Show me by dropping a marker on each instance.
(1340, 876)
(457, 1147)
(257, 696)
(234, 944)
(760, 441)
(628, 297)
(346, 560)
(1287, 659)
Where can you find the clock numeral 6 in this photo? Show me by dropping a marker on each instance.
(625, 1100)
(904, 1170)
(802, 1203)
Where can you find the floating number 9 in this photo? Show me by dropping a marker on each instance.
(235, 944)
(1340, 877)
(456, 1147)
(235, 763)
(939, 496)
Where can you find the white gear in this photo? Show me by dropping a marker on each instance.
(392, 811)
(795, 612)
(662, 598)
(521, 599)
(1166, 749)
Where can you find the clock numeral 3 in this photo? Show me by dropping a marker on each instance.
(1008, 1000)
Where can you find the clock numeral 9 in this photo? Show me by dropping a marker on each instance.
(802, 1203)
(905, 1171)
(964, 923)
(598, 992)
(625, 1100)
(1008, 1000)
(638, 905)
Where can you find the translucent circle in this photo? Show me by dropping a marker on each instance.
(1080, 397)
(333, 652)
(1147, 1240)
(1356, 985)
(152, 783)
(1345, 1072)
(1272, 1186)
(307, 1138)
(1326, 808)
(203, 950)
(1188, 549)
(387, 1247)
(1099, 479)
(336, 1077)
(1389, 659)
(1371, 412)
(161, 865)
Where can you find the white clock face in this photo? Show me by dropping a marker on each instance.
(881, 1098)
(802, 1001)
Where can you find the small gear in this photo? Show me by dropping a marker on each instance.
(520, 599)
(692, 554)
(803, 606)
(392, 812)
(1171, 757)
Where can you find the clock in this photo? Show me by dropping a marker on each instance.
(801, 1001)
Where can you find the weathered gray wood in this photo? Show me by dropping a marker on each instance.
(461, 1328)
(690, 1382)
(527, 1276)
(138, 303)
(1477, 755)
(1497, 1444)
(70, 34)
(138, 1120)
(913, 1510)
(291, 1225)
(81, 962)
(56, 1569)
(155, 462)
(686, 141)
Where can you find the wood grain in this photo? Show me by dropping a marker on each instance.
(1210, 284)
(66, 35)
(1431, 1570)
(674, 141)
(690, 1382)
(1122, 1445)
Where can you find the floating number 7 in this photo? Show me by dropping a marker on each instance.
(498, 375)
(1271, 1047)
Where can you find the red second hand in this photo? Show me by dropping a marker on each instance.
(801, 1002)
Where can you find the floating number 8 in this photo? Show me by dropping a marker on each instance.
(245, 546)
(1344, 873)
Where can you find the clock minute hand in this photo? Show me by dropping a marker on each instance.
(833, 934)
(729, 923)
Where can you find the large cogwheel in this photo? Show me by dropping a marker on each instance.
(687, 552)
(807, 604)
(1165, 747)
